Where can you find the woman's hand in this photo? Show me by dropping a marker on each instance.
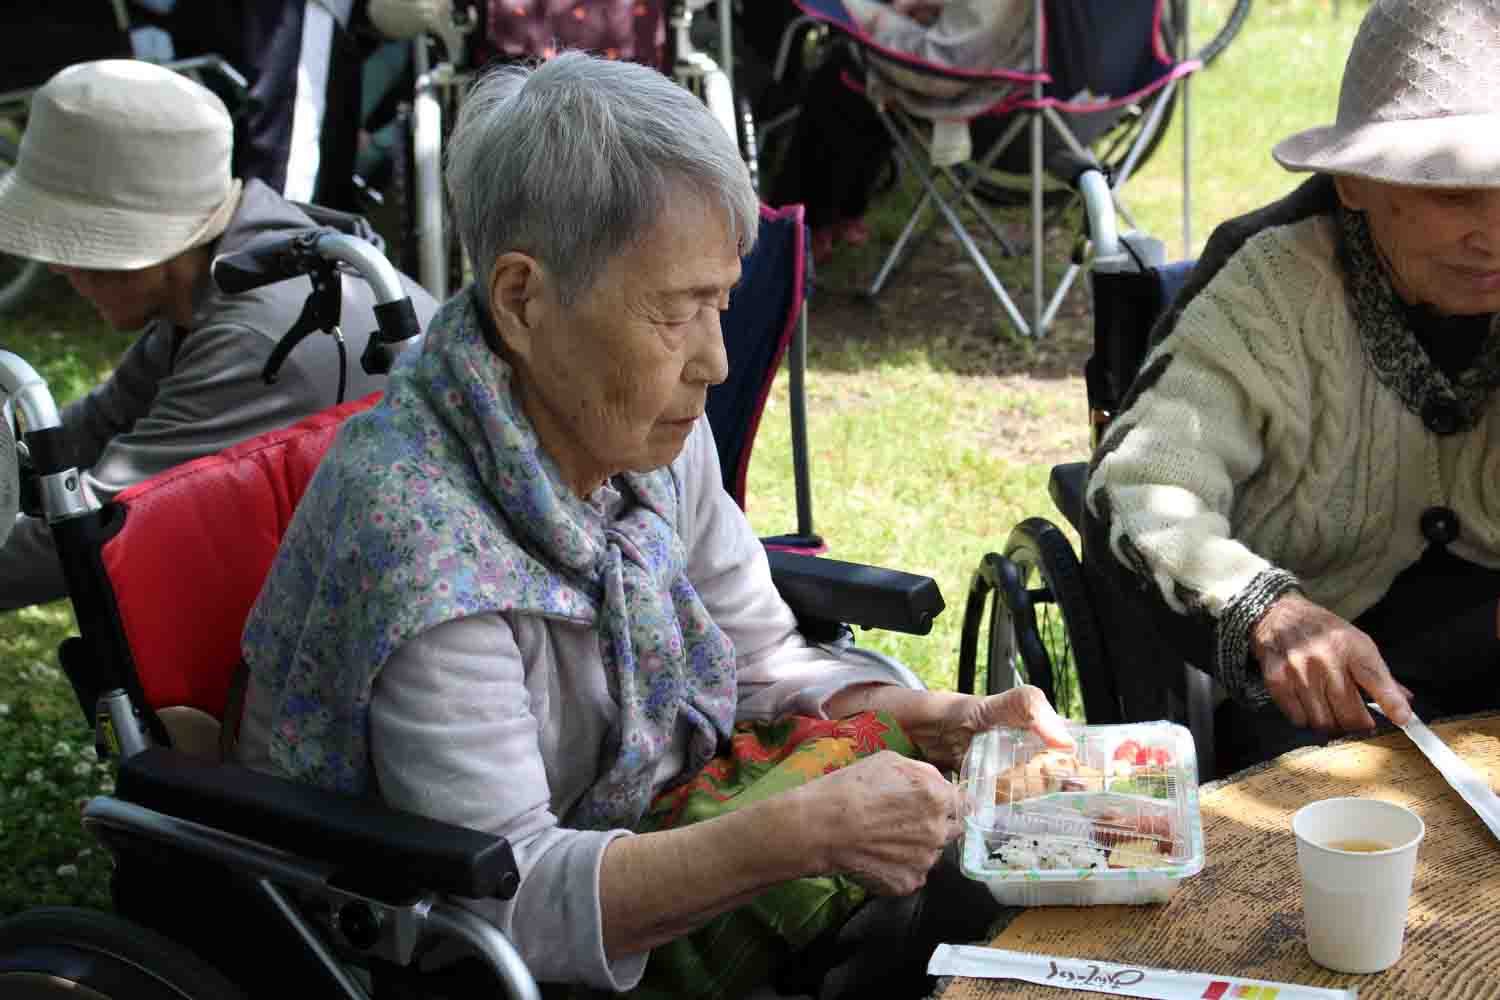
(883, 821)
(942, 723)
(1319, 668)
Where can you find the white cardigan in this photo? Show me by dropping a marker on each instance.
(496, 722)
(1263, 453)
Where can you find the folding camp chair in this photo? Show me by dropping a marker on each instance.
(1097, 92)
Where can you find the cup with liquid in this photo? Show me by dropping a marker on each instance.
(1357, 858)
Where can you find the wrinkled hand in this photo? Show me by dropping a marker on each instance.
(884, 821)
(942, 723)
(1319, 668)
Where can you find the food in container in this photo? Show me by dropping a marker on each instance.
(1115, 820)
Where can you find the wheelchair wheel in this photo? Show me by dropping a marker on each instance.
(1041, 628)
(69, 953)
(18, 277)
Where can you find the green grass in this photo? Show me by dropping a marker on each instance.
(926, 448)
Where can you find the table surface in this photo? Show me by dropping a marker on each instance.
(1242, 915)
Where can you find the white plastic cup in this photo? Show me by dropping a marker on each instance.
(1355, 902)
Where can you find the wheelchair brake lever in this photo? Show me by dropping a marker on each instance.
(321, 312)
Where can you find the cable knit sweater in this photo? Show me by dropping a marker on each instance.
(1273, 441)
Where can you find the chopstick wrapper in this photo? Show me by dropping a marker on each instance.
(1115, 980)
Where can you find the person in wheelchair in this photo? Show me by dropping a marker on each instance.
(1301, 480)
(534, 610)
(123, 186)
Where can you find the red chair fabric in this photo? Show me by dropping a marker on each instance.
(194, 549)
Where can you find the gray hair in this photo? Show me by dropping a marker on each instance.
(573, 160)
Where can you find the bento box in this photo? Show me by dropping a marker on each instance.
(1114, 820)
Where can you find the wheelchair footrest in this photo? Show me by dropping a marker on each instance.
(371, 843)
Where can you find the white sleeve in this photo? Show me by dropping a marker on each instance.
(778, 672)
(453, 737)
(1231, 381)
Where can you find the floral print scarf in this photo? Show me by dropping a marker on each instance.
(440, 502)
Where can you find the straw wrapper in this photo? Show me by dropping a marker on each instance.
(1116, 980)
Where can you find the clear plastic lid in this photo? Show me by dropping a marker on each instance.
(1124, 799)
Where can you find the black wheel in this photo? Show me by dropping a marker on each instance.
(1041, 628)
(69, 953)
(18, 277)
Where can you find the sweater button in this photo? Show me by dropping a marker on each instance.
(1439, 525)
(1441, 416)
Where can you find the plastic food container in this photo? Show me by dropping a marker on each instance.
(1115, 820)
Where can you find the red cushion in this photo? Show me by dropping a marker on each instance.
(195, 546)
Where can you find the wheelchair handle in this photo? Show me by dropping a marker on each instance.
(277, 257)
(28, 392)
(62, 495)
(1100, 204)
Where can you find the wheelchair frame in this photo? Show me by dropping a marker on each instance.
(354, 924)
(356, 882)
(438, 262)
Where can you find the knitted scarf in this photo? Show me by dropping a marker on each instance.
(1393, 349)
(440, 502)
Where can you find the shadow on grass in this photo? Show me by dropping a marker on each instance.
(936, 308)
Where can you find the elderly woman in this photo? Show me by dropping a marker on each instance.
(517, 598)
(1303, 480)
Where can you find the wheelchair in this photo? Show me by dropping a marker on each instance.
(1037, 614)
(230, 882)
(445, 62)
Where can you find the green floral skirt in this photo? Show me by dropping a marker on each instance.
(739, 950)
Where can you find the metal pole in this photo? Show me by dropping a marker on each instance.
(427, 168)
(1038, 235)
(797, 404)
(1185, 15)
(726, 39)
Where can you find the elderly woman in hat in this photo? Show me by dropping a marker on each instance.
(516, 596)
(123, 186)
(1303, 480)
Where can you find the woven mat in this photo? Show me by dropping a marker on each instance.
(1242, 916)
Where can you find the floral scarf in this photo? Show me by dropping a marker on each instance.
(439, 503)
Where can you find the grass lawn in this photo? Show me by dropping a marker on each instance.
(930, 440)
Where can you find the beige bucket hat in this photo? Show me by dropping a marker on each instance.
(1420, 99)
(123, 165)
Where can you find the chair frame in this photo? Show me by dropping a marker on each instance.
(1033, 111)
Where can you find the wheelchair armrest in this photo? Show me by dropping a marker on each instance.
(371, 843)
(821, 591)
(1066, 485)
